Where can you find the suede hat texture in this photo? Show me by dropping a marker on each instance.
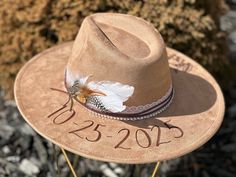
(118, 94)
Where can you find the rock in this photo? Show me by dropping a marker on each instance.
(113, 165)
(107, 171)
(228, 21)
(61, 160)
(2, 113)
(28, 167)
(10, 103)
(42, 152)
(26, 129)
(2, 171)
(13, 159)
(145, 172)
(82, 167)
(229, 147)
(49, 175)
(232, 37)
(232, 111)
(90, 165)
(221, 172)
(24, 143)
(226, 24)
(6, 150)
(6, 132)
(36, 162)
(165, 167)
(119, 171)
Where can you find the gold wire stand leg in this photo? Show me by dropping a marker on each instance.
(68, 162)
(74, 174)
(156, 169)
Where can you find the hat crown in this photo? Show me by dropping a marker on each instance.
(122, 48)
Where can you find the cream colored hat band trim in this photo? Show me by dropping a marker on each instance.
(147, 111)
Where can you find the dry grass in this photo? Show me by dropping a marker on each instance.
(28, 27)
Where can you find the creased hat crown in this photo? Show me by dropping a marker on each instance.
(122, 48)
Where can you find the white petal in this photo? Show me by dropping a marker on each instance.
(112, 103)
(116, 94)
(83, 80)
(70, 78)
(116, 88)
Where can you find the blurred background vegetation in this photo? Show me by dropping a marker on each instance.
(27, 27)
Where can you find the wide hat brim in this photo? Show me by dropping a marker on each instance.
(194, 116)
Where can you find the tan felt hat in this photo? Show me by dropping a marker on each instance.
(118, 94)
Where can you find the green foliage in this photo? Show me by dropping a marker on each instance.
(28, 27)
